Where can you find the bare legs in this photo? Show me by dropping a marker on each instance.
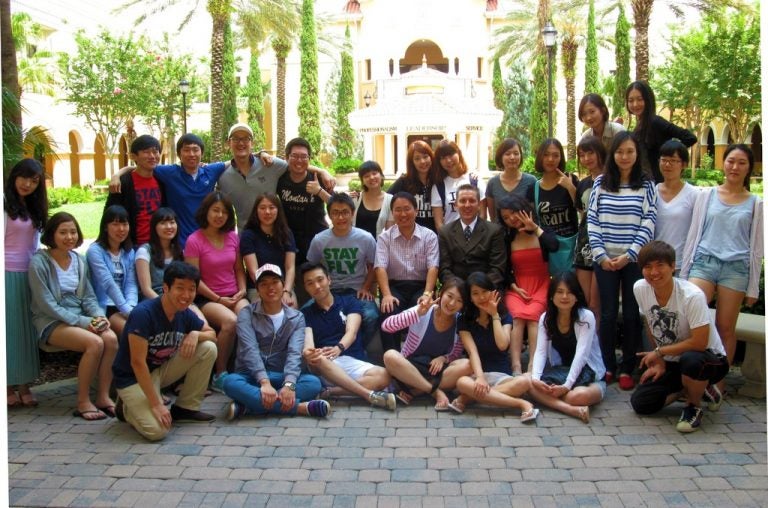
(98, 355)
(224, 320)
(516, 348)
(575, 403)
(505, 394)
(404, 371)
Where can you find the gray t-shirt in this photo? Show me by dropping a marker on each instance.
(496, 191)
(347, 257)
(243, 191)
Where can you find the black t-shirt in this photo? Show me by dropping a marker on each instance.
(565, 345)
(424, 215)
(367, 219)
(556, 211)
(304, 212)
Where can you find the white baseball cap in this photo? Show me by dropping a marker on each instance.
(269, 269)
(240, 127)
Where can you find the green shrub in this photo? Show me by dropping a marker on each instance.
(357, 185)
(529, 166)
(714, 175)
(69, 195)
(756, 188)
(344, 166)
(206, 137)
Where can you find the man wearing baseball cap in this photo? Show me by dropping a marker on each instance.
(246, 177)
(268, 377)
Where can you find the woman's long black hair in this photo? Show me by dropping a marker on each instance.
(281, 224)
(611, 174)
(480, 279)
(35, 206)
(163, 214)
(113, 213)
(572, 283)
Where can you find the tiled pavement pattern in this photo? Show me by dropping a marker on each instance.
(364, 457)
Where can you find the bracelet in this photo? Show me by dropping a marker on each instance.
(218, 299)
(426, 293)
(658, 352)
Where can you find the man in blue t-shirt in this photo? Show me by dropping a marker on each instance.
(162, 342)
(333, 348)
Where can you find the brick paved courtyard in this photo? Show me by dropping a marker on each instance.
(364, 457)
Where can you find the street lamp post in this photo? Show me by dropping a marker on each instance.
(184, 89)
(550, 35)
(367, 98)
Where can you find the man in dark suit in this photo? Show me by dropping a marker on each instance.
(472, 244)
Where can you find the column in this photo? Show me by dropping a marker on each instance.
(367, 146)
(402, 151)
(389, 165)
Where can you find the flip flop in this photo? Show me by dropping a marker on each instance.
(107, 410)
(456, 406)
(404, 397)
(529, 416)
(442, 409)
(82, 414)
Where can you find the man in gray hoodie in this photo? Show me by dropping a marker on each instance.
(268, 377)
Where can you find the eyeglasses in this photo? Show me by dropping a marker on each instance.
(298, 157)
(340, 213)
(246, 139)
(668, 161)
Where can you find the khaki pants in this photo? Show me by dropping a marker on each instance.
(138, 412)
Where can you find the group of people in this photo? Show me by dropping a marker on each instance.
(227, 276)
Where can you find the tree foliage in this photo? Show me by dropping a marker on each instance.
(346, 138)
(106, 82)
(309, 97)
(714, 71)
(497, 85)
(229, 84)
(591, 66)
(571, 32)
(254, 93)
(517, 106)
(623, 48)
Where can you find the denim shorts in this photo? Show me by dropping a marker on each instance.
(731, 274)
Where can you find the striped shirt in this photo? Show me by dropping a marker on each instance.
(620, 222)
(407, 259)
(417, 328)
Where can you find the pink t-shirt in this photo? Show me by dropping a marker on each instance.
(21, 239)
(217, 266)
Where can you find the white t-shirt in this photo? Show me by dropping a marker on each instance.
(685, 310)
(450, 213)
(673, 219)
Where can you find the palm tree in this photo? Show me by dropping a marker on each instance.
(11, 92)
(571, 31)
(277, 20)
(281, 46)
(641, 14)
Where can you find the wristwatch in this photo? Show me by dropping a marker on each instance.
(290, 385)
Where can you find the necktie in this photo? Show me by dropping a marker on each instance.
(467, 233)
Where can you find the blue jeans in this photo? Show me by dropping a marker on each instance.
(245, 390)
(608, 285)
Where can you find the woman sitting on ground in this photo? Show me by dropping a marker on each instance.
(485, 331)
(67, 315)
(427, 363)
(568, 365)
(111, 260)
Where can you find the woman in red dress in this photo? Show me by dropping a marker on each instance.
(526, 298)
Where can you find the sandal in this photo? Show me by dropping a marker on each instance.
(584, 414)
(404, 397)
(442, 408)
(457, 406)
(13, 400)
(28, 399)
(85, 415)
(107, 410)
(529, 416)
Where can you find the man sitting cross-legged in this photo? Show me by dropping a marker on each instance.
(270, 338)
(333, 348)
(163, 341)
(689, 358)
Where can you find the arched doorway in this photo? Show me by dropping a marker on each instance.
(99, 158)
(75, 144)
(418, 51)
(123, 152)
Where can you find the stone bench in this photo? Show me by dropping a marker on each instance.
(750, 329)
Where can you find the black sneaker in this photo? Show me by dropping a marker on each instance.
(690, 420)
(180, 414)
(713, 397)
(119, 411)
